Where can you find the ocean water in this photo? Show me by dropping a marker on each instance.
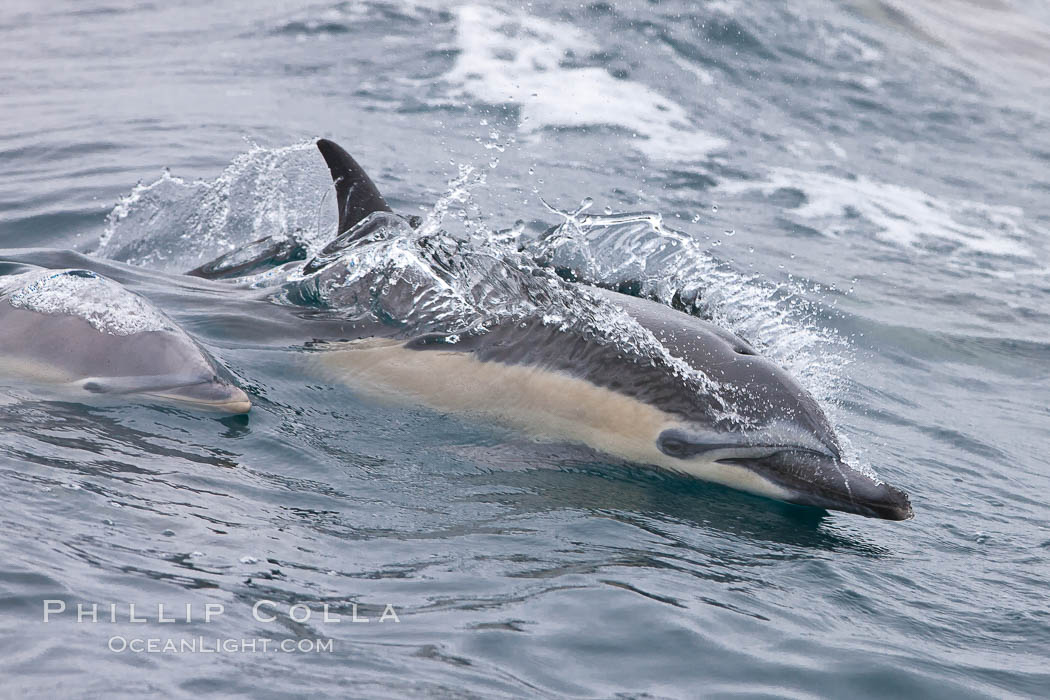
(859, 188)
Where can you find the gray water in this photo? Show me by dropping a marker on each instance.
(860, 189)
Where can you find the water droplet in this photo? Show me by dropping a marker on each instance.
(730, 232)
(168, 533)
(607, 210)
(696, 218)
(714, 207)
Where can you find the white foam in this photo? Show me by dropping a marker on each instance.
(903, 216)
(103, 303)
(517, 58)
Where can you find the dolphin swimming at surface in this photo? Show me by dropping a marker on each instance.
(88, 335)
(749, 426)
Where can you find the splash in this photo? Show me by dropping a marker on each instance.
(458, 200)
(174, 225)
(103, 303)
(637, 253)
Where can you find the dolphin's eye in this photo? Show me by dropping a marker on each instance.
(673, 446)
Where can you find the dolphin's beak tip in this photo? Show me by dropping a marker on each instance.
(900, 509)
(887, 503)
(219, 395)
(238, 403)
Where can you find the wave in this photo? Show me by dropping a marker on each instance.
(535, 63)
(899, 215)
(1003, 43)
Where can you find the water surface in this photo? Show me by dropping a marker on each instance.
(860, 189)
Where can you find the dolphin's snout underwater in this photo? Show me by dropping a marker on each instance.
(756, 430)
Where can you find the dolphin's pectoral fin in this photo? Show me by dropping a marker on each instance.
(356, 194)
(256, 256)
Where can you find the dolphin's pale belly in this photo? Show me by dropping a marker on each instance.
(30, 369)
(547, 405)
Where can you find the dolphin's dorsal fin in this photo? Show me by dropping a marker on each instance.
(356, 194)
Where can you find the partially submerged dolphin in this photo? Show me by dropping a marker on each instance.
(88, 334)
(751, 426)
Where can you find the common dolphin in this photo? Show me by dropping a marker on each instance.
(86, 333)
(749, 425)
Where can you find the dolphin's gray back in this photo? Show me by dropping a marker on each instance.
(766, 392)
(74, 349)
(759, 391)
